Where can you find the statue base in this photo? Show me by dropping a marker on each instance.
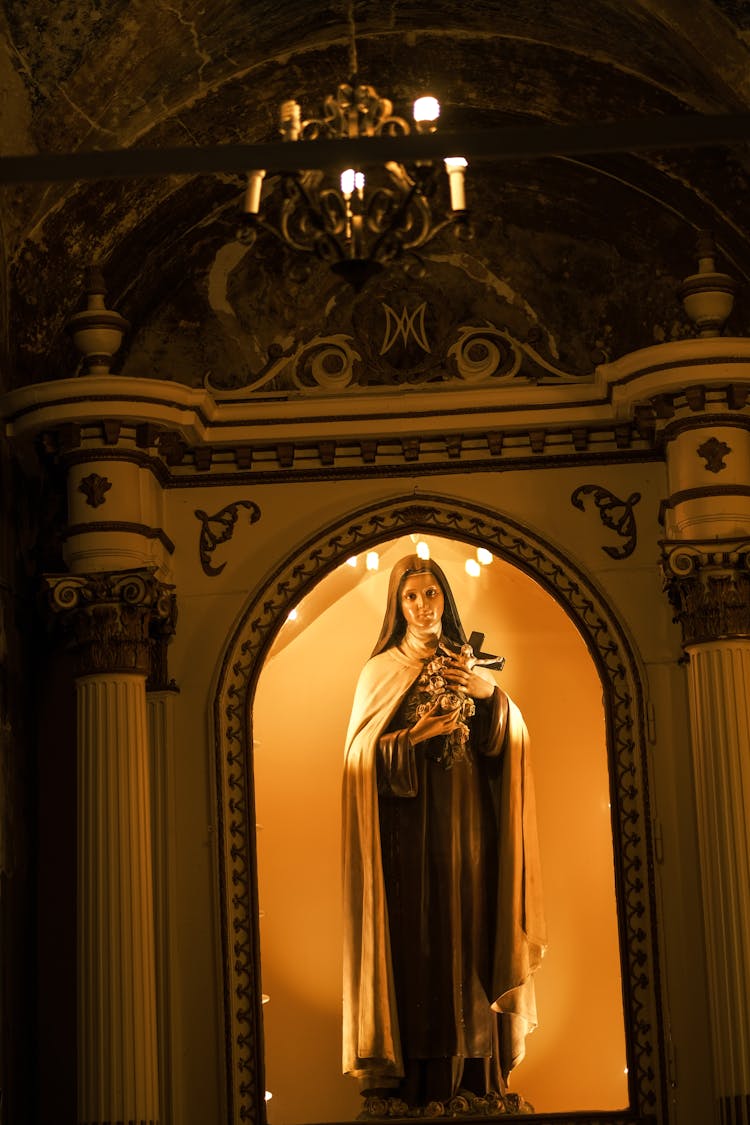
(462, 1104)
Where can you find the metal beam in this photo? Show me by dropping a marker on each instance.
(517, 142)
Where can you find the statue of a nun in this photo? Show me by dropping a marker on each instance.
(443, 917)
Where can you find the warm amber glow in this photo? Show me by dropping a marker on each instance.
(426, 109)
(351, 181)
(373, 560)
(575, 1060)
(484, 556)
(423, 551)
(472, 568)
(347, 182)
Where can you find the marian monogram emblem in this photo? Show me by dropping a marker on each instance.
(403, 326)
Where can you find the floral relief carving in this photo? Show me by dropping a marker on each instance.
(713, 452)
(94, 488)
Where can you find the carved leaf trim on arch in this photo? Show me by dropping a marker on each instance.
(625, 734)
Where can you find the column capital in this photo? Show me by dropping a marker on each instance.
(708, 584)
(114, 618)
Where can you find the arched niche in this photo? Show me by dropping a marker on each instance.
(616, 666)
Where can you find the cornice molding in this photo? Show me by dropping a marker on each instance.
(205, 417)
(669, 368)
(634, 403)
(176, 463)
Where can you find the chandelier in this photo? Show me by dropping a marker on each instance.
(367, 219)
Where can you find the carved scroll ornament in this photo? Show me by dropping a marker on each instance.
(219, 529)
(615, 514)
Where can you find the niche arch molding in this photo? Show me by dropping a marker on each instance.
(615, 660)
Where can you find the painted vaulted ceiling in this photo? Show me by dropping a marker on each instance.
(582, 256)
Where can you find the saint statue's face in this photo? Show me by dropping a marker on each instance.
(422, 603)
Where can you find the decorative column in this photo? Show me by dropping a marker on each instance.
(692, 398)
(706, 429)
(111, 617)
(161, 695)
(709, 586)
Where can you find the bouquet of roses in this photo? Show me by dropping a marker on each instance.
(433, 687)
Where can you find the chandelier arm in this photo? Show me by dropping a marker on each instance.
(325, 242)
(251, 224)
(457, 219)
(336, 224)
(392, 230)
(317, 240)
(312, 232)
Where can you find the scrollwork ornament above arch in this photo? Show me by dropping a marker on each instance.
(606, 640)
(480, 354)
(326, 363)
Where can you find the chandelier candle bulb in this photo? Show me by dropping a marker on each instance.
(347, 183)
(357, 228)
(455, 166)
(426, 111)
(252, 193)
(291, 120)
(352, 181)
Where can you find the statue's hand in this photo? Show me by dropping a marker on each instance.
(433, 722)
(468, 680)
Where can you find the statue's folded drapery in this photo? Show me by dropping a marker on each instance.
(451, 890)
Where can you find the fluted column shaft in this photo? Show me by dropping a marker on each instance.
(720, 718)
(119, 624)
(160, 713)
(709, 585)
(117, 1056)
